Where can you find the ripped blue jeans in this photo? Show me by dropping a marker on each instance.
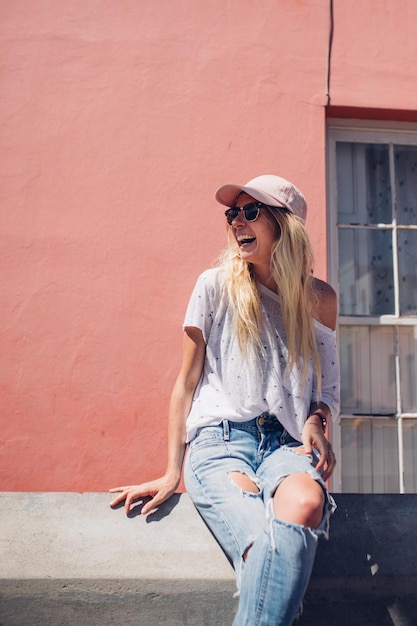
(273, 579)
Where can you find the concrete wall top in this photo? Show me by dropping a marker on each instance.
(67, 558)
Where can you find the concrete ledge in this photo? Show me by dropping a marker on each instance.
(69, 559)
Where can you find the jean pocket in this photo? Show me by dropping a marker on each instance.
(208, 445)
(207, 436)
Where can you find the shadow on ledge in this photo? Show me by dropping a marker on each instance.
(68, 559)
(366, 575)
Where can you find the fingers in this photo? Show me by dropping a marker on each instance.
(150, 495)
(120, 498)
(308, 447)
(330, 461)
(314, 438)
(157, 496)
(131, 498)
(129, 494)
(152, 504)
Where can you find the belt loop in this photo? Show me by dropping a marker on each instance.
(226, 430)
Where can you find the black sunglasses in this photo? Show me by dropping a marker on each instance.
(250, 212)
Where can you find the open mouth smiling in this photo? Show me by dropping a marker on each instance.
(244, 240)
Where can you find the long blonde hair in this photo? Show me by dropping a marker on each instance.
(291, 269)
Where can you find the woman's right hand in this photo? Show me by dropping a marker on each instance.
(158, 490)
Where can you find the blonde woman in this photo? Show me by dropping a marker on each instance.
(258, 383)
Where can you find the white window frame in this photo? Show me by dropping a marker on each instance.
(403, 133)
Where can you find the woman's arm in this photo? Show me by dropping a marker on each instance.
(181, 398)
(326, 304)
(314, 431)
(314, 436)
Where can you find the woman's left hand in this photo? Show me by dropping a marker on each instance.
(314, 437)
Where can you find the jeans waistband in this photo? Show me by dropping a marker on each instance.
(263, 423)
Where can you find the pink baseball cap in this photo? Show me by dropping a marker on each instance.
(269, 189)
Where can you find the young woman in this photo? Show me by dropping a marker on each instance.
(258, 383)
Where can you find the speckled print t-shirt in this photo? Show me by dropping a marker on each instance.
(239, 389)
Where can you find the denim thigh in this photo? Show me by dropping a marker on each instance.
(236, 516)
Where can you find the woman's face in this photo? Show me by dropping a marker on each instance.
(255, 239)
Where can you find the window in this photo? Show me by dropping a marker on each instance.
(372, 174)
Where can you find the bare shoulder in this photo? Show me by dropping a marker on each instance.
(325, 310)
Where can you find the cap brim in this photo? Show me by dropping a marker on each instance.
(227, 195)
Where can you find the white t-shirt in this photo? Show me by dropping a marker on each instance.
(239, 390)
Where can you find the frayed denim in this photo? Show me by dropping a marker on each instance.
(273, 579)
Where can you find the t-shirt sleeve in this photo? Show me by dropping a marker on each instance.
(330, 372)
(200, 310)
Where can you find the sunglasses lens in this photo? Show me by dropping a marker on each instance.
(250, 211)
(231, 214)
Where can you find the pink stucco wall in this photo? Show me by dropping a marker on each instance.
(374, 54)
(118, 121)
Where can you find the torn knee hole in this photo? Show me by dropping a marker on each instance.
(243, 481)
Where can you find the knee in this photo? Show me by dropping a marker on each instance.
(299, 499)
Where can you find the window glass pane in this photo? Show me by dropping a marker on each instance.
(367, 370)
(377, 277)
(354, 369)
(406, 183)
(407, 267)
(407, 342)
(369, 456)
(410, 455)
(363, 183)
(366, 284)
